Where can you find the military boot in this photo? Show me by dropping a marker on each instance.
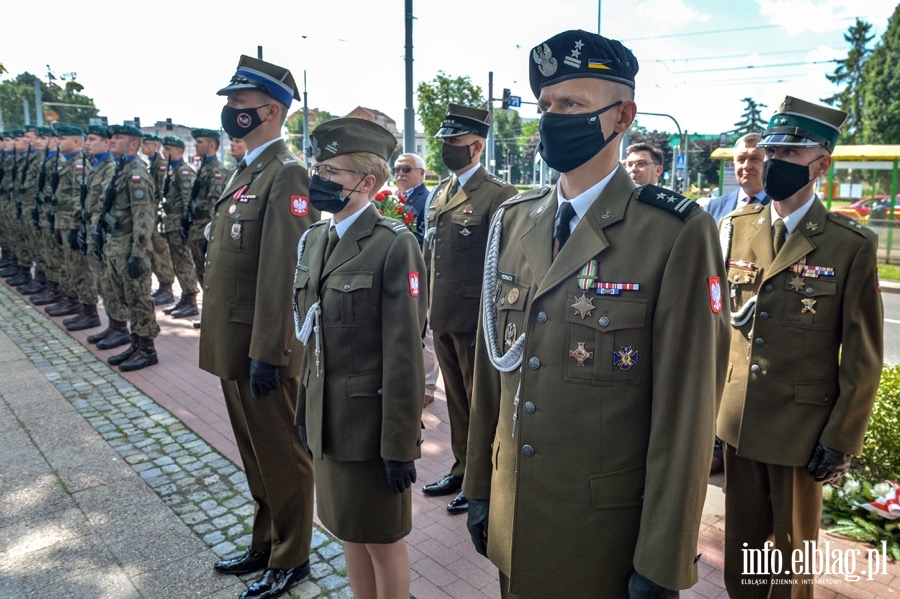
(102, 334)
(50, 295)
(163, 295)
(6, 261)
(143, 357)
(67, 307)
(188, 307)
(129, 351)
(22, 278)
(37, 284)
(117, 335)
(177, 306)
(88, 319)
(10, 271)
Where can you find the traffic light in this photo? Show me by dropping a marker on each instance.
(169, 126)
(505, 101)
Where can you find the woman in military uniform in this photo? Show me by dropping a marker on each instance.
(360, 309)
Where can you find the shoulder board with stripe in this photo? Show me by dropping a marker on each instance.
(531, 194)
(667, 200)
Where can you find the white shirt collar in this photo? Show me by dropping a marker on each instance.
(249, 157)
(793, 219)
(345, 224)
(464, 178)
(583, 201)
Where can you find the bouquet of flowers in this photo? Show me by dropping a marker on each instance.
(861, 510)
(394, 207)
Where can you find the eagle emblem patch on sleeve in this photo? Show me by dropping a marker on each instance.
(299, 205)
(715, 294)
(414, 284)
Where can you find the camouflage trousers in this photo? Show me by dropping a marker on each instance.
(23, 233)
(78, 280)
(133, 293)
(161, 259)
(198, 245)
(183, 262)
(100, 269)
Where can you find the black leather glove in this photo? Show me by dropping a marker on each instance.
(477, 523)
(827, 465)
(263, 378)
(400, 475)
(640, 587)
(81, 239)
(73, 240)
(304, 439)
(135, 267)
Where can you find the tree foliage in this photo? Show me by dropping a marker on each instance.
(881, 91)
(509, 145)
(56, 98)
(434, 96)
(752, 120)
(849, 74)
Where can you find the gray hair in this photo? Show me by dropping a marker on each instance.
(417, 160)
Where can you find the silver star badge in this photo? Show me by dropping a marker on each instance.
(661, 196)
(672, 199)
(811, 226)
(761, 220)
(583, 306)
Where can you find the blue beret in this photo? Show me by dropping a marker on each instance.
(576, 54)
(266, 77)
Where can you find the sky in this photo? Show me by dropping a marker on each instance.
(698, 58)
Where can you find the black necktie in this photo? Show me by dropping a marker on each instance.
(566, 212)
(240, 167)
(780, 235)
(332, 241)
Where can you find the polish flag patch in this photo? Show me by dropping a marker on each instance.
(414, 284)
(715, 294)
(299, 205)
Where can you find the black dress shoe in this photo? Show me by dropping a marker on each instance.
(459, 505)
(251, 561)
(275, 582)
(446, 486)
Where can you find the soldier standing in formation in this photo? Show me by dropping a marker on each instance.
(7, 165)
(207, 189)
(161, 259)
(43, 218)
(21, 264)
(31, 147)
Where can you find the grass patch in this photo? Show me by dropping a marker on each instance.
(888, 272)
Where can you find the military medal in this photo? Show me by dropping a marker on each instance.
(625, 357)
(465, 232)
(810, 271)
(796, 283)
(510, 334)
(580, 353)
(236, 230)
(583, 306)
(587, 275)
(808, 304)
(232, 209)
(616, 288)
(513, 295)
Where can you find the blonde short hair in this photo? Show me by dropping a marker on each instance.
(370, 164)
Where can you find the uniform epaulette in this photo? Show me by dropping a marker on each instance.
(391, 223)
(287, 158)
(531, 194)
(324, 221)
(667, 200)
(850, 223)
(495, 180)
(747, 210)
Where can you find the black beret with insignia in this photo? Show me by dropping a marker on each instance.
(575, 54)
(350, 135)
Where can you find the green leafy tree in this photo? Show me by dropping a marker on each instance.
(881, 91)
(508, 143)
(67, 100)
(434, 96)
(752, 120)
(531, 138)
(848, 75)
(294, 125)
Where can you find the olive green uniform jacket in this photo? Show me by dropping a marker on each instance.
(595, 452)
(363, 399)
(250, 267)
(805, 366)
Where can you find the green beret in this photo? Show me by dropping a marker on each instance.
(576, 54)
(30, 128)
(349, 136)
(151, 137)
(16, 133)
(99, 131)
(210, 133)
(129, 130)
(69, 130)
(44, 131)
(803, 124)
(171, 140)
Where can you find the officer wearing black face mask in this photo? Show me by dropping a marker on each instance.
(247, 338)
(459, 215)
(601, 354)
(806, 352)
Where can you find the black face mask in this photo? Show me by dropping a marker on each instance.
(238, 122)
(325, 195)
(570, 140)
(456, 157)
(782, 179)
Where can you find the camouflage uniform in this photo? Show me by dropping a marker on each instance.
(213, 177)
(102, 169)
(6, 213)
(26, 189)
(79, 281)
(160, 259)
(181, 180)
(52, 259)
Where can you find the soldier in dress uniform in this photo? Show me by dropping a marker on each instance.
(460, 211)
(358, 285)
(588, 454)
(129, 220)
(247, 339)
(161, 259)
(806, 354)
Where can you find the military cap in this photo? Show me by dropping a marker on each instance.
(263, 76)
(16, 133)
(575, 54)
(43, 131)
(804, 124)
(351, 135)
(210, 133)
(129, 130)
(69, 130)
(30, 128)
(462, 119)
(99, 131)
(151, 137)
(171, 140)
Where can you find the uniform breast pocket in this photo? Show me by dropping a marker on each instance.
(302, 293)
(809, 303)
(347, 299)
(741, 285)
(243, 229)
(606, 341)
(510, 302)
(467, 229)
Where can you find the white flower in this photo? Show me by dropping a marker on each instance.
(882, 489)
(851, 486)
(827, 492)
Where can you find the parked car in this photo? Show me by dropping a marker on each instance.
(865, 211)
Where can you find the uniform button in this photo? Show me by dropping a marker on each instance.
(542, 317)
(758, 342)
(212, 237)
(440, 240)
(502, 301)
(755, 369)
(529, 407)
(208, 264)
(346, 286)
(440, 224)
(826, 399)
(809, 290)
(769, 287)
(534, 363)
(527, 451)
(736, 277)
(437, 258)
(381, 392)
(206, 288)
(604, 321)
(437, 275)
(216, 215)
(764, 316)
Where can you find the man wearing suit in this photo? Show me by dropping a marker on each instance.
(247, 339)
(748, 166)
(806, 354)
(460, 213)
(588, 446)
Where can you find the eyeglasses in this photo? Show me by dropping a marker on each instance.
(638, 164)
(326, 171)
(404, 169)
